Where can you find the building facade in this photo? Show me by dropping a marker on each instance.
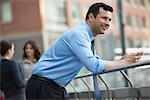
(45, 20)
(21, 21)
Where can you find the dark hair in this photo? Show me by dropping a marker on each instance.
(95, 9)
(4, 47)
(35, 48)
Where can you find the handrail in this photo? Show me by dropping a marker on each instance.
(138, 64)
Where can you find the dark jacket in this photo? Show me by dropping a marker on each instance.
(11, 81)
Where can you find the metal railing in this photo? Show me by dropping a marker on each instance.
(127, 93)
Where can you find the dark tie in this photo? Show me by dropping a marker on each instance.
(95, 82)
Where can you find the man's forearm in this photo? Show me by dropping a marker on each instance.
(111, 64)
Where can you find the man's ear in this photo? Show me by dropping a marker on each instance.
(91, 17)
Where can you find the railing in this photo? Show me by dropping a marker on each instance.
(127, 93)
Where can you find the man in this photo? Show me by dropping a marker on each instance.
(64, 59)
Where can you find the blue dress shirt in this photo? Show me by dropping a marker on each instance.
(67, 55)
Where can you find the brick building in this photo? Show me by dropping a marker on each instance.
(21, 21)
(45, 20)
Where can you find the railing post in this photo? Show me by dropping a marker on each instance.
(106, 87)
(76, 94)
(122, 36)
(88, 88)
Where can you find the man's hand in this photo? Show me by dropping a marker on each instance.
(126, 59)
(131, 58)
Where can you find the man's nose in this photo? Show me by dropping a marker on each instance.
(107, 24)
(107, 21)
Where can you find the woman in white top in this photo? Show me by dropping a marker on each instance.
(30, 56)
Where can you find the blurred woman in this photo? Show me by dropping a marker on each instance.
(2, 95)
(11, 81)
(31, 55)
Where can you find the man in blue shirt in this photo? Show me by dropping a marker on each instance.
(69, 53)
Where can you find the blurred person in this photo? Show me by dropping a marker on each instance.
(2, 95)
(31, 55)
(11, 82)
(61, 62)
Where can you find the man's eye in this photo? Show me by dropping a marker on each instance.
(106, 18)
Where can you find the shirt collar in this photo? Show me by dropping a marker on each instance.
(27, 61)
(86, 26)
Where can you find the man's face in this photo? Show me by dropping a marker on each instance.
(102, 22)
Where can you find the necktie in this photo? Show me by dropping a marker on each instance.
(95, 82)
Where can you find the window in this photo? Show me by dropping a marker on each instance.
(133, 2)
(6, 11)
(85, 9)
(61, 8)
(127, 1)
(55, 11)
(130, 43)
(142, 2)
(149, 3)
(128, 19)
(136, 21)
(143, 22)
(75, 11)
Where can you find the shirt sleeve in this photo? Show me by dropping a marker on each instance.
(21, 68)
(81, 47)
(16, 76)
